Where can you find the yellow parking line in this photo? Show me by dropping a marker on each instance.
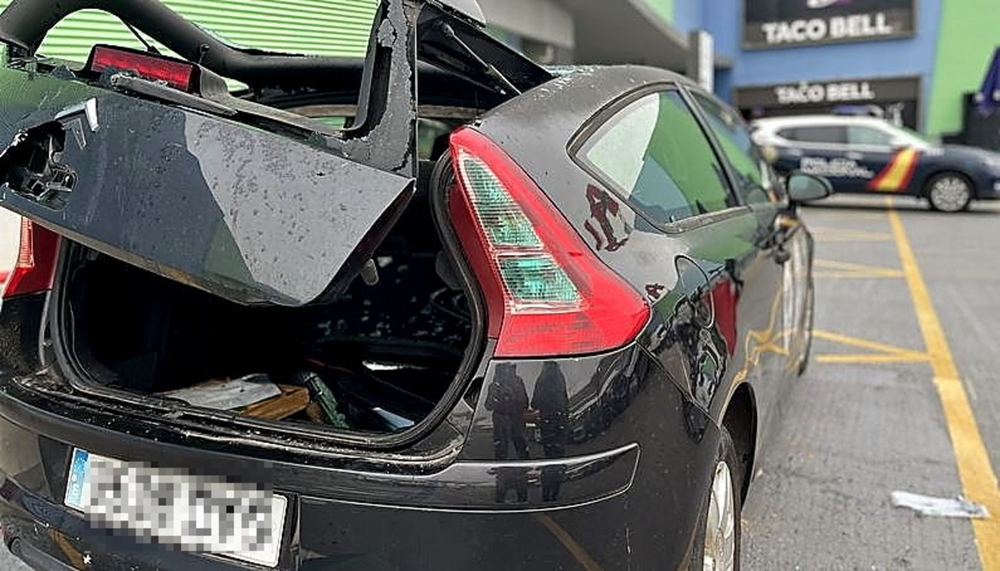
(840, 270)
(979, 481)
(833, 234)
(578, 552)
(882, 348)
(857, 275)
(860, 358)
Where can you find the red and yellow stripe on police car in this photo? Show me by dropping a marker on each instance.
(897, 174)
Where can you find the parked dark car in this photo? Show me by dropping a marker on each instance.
(514, 318)
(870, 155)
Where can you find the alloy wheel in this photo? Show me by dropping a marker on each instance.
(950, 193)
(720, 525)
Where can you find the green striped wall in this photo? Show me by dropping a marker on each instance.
(663, 8)
(969, 32)
(322, 27)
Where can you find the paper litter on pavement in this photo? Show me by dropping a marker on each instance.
(940, 507)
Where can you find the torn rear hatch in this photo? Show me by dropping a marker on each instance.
(243, 213)
(251, 203)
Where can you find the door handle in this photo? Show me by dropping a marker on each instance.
(854, 155)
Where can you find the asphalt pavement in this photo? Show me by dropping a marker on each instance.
(868, 417)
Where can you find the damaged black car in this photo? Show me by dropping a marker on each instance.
(440, 308)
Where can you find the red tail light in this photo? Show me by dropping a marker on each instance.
(36, 261)
(547, 293)
(175, 73)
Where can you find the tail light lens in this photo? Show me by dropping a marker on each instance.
(547, 293)
(36, 261)
(175, 73)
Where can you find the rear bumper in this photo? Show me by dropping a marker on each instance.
(340, 536)
(620, 513)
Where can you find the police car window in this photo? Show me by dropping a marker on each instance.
(862, 135)
(656, 156)
(752, 172)
(835, 134)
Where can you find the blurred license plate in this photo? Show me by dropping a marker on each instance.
(195, 513)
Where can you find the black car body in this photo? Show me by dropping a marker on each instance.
(869, 155)
(546, 331)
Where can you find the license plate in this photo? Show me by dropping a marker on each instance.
(193, 512)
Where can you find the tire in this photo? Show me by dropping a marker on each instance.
(808, 327)
(949, 192)
(705, 546)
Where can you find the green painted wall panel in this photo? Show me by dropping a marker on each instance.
(664, 8)
(970, 31)
(322, 27)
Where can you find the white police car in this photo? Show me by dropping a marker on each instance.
(869, 155)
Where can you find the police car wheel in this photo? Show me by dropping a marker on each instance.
(949, 192)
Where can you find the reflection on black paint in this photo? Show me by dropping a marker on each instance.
(507, 399)
(551, 400)
(654, 291)
(604, 210)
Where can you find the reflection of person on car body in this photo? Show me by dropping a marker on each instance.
(508, 400)
(552, 403)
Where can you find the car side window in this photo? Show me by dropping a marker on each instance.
(822, 134)
(655, 154)
(864, 135)
(755, 182)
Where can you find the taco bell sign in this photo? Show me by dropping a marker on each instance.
(784, 23)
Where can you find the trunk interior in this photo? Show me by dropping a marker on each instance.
(379, 359)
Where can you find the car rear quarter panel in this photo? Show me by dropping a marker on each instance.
(537, 129)
(706, 364)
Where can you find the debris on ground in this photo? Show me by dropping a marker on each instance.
(940, 507)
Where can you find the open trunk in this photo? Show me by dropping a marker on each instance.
(233, 251)
(378, 359)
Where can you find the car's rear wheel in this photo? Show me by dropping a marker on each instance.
(717, 545)
(949, 192)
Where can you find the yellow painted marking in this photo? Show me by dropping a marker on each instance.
(860, 358)
(883, 353)
(834, 234)
(578, 552)
(854, 276)
(840, 270)
(979, 481)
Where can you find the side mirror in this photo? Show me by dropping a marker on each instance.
(804, 187)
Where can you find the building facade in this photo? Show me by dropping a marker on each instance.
(914, 61)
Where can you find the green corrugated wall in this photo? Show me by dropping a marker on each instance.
(325, 27)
